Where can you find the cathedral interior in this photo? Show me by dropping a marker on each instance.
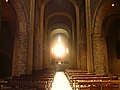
(59, 35)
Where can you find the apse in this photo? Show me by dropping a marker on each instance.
(59, 47)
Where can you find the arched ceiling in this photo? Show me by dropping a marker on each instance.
(111, 19)
(59, 6)
(105, 11)
(59, 12)
(60, 31)
(59, 19)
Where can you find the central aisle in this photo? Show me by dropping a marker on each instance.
(60, 82)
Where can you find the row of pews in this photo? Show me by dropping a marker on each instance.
(41, 81)
(82, 80)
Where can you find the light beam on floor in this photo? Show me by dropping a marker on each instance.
(61, 82)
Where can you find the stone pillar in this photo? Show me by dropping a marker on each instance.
(41, 37)
(88, 34)
(73, 53)
(46, 53)
(36, 59)
(31, 37)
(20, 54)
(99, 54)
(78, 37)
(83, 64)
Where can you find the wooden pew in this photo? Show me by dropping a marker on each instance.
(26, 84)
(41, 81)
(70, 72)
(34, 81)
(74, 81)
(99, 85)
(90, 80)
(31, 82)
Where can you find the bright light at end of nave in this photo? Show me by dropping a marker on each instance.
(59, 50)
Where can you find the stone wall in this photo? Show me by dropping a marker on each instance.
(99, 54)
(20, 54)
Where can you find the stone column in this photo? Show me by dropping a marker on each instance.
(20, 54)
(78, 37)
(72, 52)
(46, 50)
(83, 64)
(99, 54)
(31, 37)
(88, 34)
(41, 37)
(36, 59)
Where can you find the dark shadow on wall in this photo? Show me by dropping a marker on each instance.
(6, 48)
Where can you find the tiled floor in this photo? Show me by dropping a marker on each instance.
(60, 82)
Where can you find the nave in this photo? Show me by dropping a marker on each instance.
(60, 82)
(46, 34)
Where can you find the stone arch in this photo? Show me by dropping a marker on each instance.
(112, 34)
(77, 26)
(107, 23)
(98, 53)
(99, 40)
(21, 14)
(60, 25)
(55, 31)
(21, 37)
(99, 15)
(53, 27)
(61, 14)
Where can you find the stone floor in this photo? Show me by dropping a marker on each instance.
(61, 82)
